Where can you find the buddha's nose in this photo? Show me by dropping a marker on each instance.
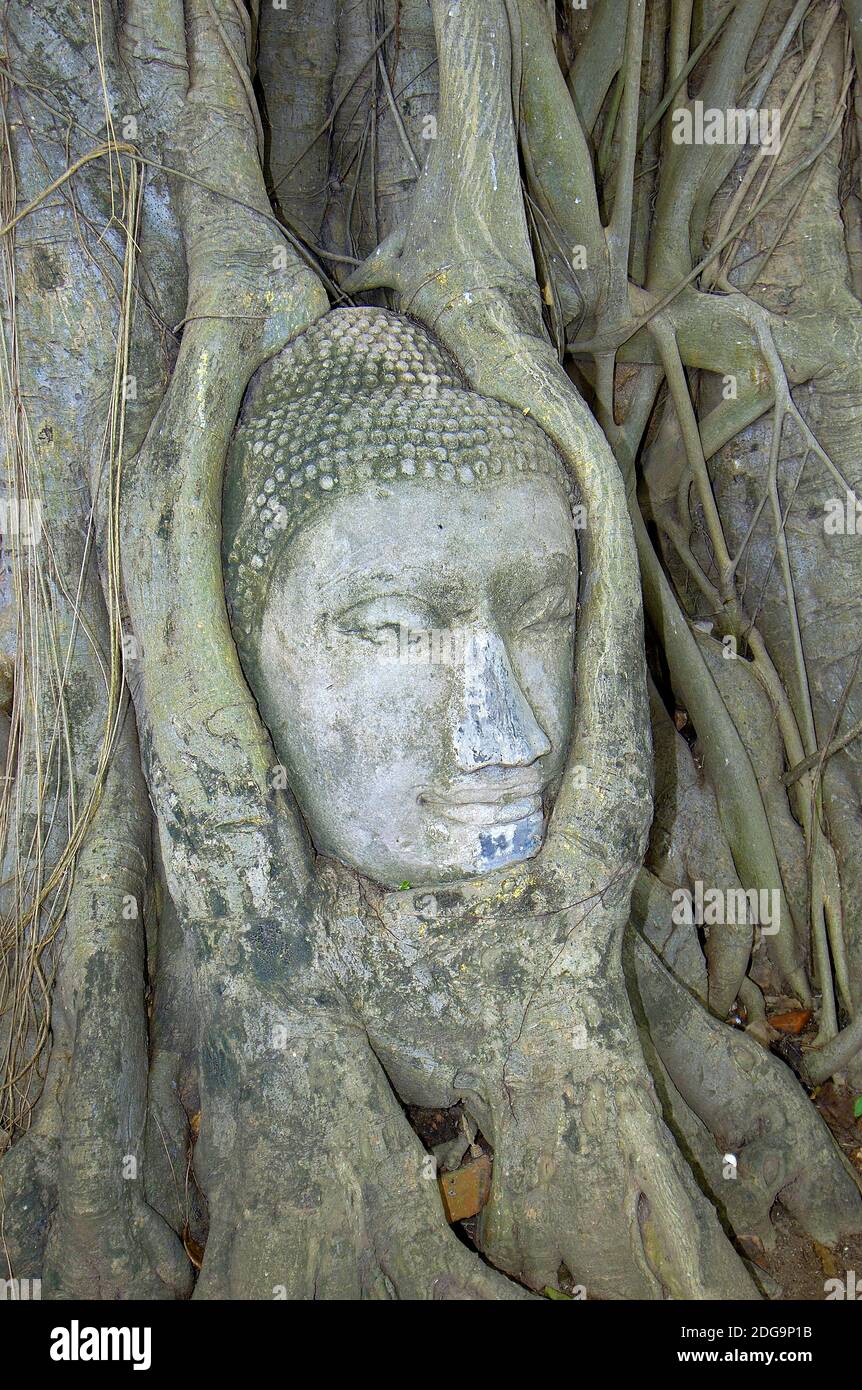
(497, 727)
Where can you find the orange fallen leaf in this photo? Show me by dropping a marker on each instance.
(795, 1021)
(466, 1190)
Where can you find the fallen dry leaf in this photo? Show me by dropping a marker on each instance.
(795, 1021)
(466, 1191)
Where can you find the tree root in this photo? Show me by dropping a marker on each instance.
(309, 1204)
(757, 1112)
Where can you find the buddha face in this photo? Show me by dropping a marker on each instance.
(415, 662)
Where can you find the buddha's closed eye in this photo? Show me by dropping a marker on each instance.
(377, 619)
(554, 603)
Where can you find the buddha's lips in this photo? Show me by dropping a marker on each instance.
(484, 805)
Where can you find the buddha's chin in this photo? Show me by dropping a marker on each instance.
(481, 848)
(500, 845)
(449, 851)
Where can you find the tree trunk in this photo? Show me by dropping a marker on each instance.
(234, 233)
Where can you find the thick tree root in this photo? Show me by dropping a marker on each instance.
(311, 1202)
(531, 1029)
(757, 1112)
(597, 1186)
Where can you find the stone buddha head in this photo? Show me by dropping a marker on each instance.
(401, 573)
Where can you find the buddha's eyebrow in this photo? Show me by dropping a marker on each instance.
(352, 574)
(541, 569)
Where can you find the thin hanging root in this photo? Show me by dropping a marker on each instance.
(115, 429)
(665, 340)
(336, 106)
(619, 230)
(241, 71)
(817, 759)
(100, 152)
(816, 885)
(824, 910)
(684, 73)
(824, 894)
(620, 333)
(727, 763)
(396, 114)
(825, 897)
(826, 875)
(789, 112)
(41, 890)
(741, 809)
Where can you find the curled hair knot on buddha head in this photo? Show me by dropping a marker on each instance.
(362, 397)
